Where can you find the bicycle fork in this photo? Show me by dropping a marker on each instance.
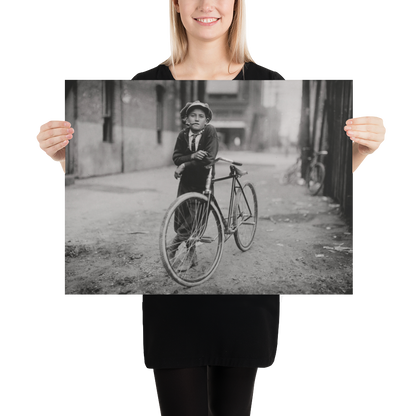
(205, 214)
(208, 183)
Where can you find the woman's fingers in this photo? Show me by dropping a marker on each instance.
(55, 124)
(53, 150)
(53, 137)
(372, 128)
(364, 121)
(54, 141)
(58, 142)
(52, 133)
(367, 135)
(367, 143)
(368, 130)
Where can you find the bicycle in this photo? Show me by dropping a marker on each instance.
(315, 173)
(194, 229)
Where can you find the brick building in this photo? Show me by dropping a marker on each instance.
(120, 126)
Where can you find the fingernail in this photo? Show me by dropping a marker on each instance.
(66, 124)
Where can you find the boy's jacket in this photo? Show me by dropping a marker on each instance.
(196, 171)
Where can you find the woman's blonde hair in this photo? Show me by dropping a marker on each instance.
(236, 36)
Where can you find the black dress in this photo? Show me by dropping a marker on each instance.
(199, 330)
(250, 71)
(179, 331)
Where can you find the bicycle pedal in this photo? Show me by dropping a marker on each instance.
(207, 240)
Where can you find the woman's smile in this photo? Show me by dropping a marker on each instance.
(207, 21)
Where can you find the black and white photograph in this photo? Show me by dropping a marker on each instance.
(208, 187)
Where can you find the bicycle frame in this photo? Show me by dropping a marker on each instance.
(235, 185)
(314, 155)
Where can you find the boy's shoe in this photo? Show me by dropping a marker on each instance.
(190, 261)
(173, 247)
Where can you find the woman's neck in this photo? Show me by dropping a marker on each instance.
(206, 60)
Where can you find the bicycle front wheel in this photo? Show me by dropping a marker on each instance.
(316, 178)
(245, 216)
(191, 239)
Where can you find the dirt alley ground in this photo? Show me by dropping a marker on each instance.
(302, 244)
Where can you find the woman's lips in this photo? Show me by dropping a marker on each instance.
(206, 21)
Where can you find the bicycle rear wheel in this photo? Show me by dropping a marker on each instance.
(191, 239)
(245, 216)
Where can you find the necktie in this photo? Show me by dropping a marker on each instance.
(193, 137)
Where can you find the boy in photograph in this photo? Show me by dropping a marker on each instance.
(195, 151)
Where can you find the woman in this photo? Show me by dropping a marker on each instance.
(204, 351)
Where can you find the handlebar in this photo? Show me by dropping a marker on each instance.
(232, 162)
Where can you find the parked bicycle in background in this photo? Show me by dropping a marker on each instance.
(312, 168)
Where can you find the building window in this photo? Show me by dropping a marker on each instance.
(221, 89)
(108, 99)
(160, 92)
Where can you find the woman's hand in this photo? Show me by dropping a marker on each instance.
(367, 132)
(53, 137)
(200, 154)
(179, 170)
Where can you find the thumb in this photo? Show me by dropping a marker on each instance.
(364, 149)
